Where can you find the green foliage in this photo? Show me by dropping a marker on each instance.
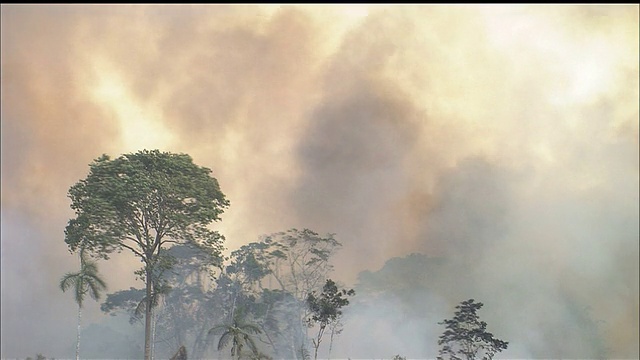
(186, 302)
(131, 300)
(86, 281)
(251, 263)
(295, 262)
(466, 337)
(239, 334)
(203, 292)
(326, 308)
(140, 201)
(146, 202)
(134, 301)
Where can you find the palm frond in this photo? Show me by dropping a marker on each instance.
(94, 289)
(214, 330)
(99, 282)
(250, 328)
(68, 280)
(238, 333)
(83, 281)
(224, 340)
(252, 344)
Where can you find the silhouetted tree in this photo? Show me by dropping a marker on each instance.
(466, 337)
(280, 271)
(326, 309)
(86, 281)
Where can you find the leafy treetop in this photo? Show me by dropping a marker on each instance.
(466, 337)
(142, 201)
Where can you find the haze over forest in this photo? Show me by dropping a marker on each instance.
(456, 152)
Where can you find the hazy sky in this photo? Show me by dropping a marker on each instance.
(506, 136)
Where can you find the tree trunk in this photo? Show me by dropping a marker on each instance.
(147, 317)
(153, 332)
(333, 330)
(78, 336)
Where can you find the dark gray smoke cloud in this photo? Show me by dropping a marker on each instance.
(503, 139)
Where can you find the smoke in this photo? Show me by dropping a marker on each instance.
(501, 138)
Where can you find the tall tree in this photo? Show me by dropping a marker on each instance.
(466, 337)
(277, 273)
(326, 309)
(299, 263)
(144, 202)
(86, 281)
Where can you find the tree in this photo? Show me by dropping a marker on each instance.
(239, 333)
(299, 259)
(299, 263)
(326, 309)
(190, 305)
(131, 301)
(86, 281)
(142, 202)
(466, 337)
(278, 272)
(183, 315)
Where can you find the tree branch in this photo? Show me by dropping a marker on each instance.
(131, 248)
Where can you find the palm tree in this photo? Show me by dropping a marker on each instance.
(239, 334)
(84, 281)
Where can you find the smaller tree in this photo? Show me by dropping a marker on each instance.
(239, 333)
(326, 309)
(86, 281)
(466, 337)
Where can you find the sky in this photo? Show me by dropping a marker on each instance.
(502, 136)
